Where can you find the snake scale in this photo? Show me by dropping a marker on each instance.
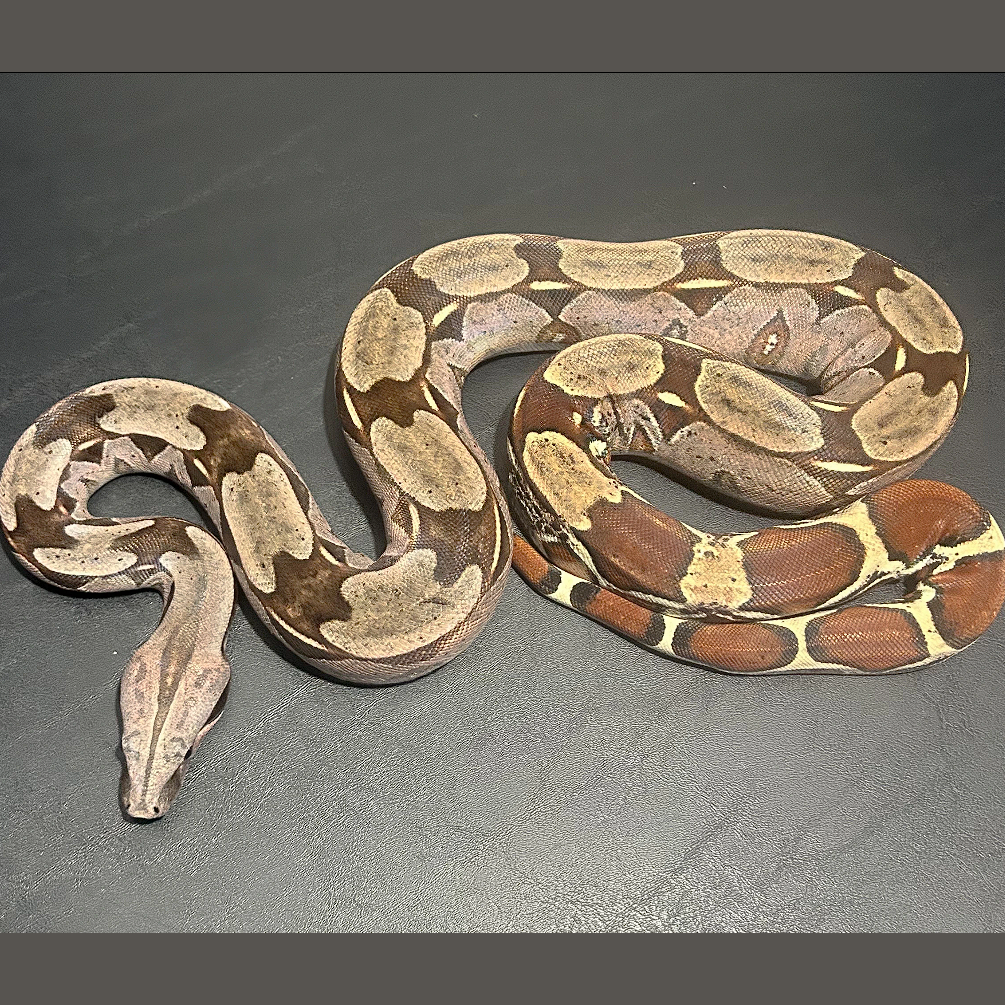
(667, 350)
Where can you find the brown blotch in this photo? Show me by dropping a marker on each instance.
(796, 569)
(624, 616)
(938, 368)
(553, 301)
(968, 598)
(558, 330)
(541, 252)
(529, 563)
(308, 591)
(638, 547)
(544, 406)
(75, 419)
(913, 516)
(737, 647)
(561, 555)
(872, 272)
(867, 638)
(440, 532)
(700, 300)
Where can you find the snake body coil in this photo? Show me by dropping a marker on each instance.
(667, 347)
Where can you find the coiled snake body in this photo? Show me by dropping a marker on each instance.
(667, 347)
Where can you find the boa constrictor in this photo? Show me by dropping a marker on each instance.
(880, 349)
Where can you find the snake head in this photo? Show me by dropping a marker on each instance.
(174, 687)
(137, 801)
(167, 709)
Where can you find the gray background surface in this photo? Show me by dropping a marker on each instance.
(220, 230)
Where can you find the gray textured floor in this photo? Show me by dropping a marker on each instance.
(220, 231)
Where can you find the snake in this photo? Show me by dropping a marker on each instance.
(791, 373)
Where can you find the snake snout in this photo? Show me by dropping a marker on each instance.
(140, 803)
(143, 811)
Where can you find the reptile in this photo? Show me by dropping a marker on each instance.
(669, 349)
